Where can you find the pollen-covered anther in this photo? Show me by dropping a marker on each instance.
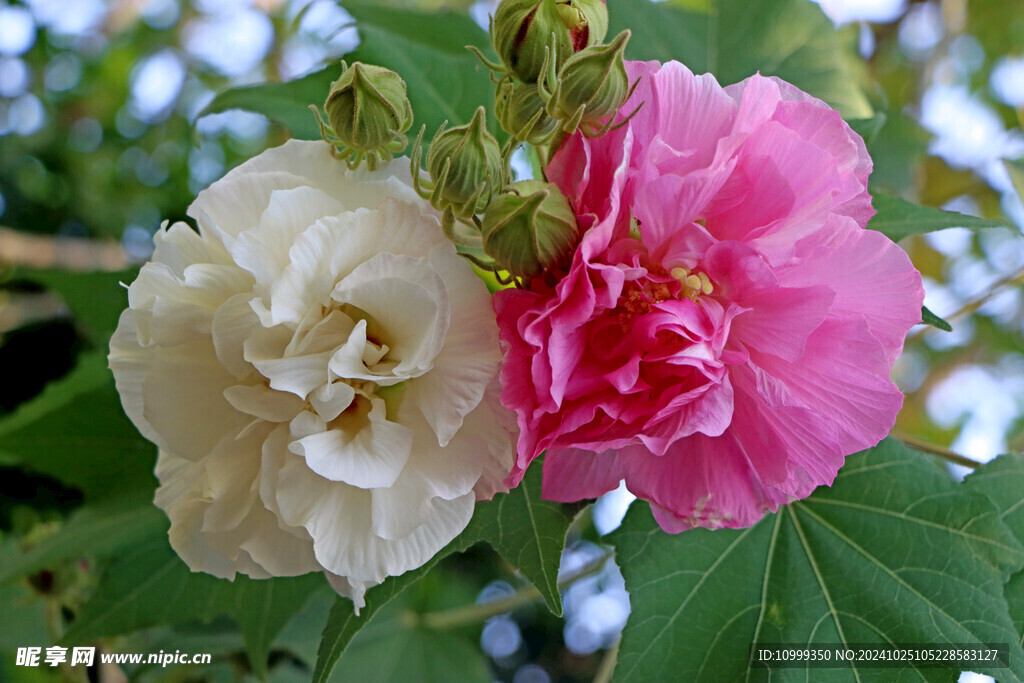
(693, 283)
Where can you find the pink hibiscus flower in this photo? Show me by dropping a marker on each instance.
(725, 334)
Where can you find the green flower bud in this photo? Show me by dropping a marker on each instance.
(520, 110)
(522, 32)
(368, 111)
(530, 228)
(592, 85)
(465, 167)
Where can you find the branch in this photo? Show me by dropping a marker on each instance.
(940, 451)
(471, 614)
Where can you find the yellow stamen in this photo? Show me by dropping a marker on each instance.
(693, 283)
(705, 283)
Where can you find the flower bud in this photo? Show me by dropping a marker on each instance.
(520, 111)
(592, 85)
(529, 228)
(522, 31)
(465, 166)
(368, 110)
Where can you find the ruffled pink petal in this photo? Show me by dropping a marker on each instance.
(873, 279)
(844, 376)
(572, 474)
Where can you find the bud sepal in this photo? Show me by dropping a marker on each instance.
(521, 111)
(529, 229)
(466, 167)
(523, 30)
(368, 114)
(589, 89)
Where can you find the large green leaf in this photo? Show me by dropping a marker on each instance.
(427, 654)
(285, 103)
(897, 218)
(528, 532)
(1002, 481)
(444, 80)
(77, 432)
(895, 551)
(897, 150)
(96, 299)
(150, 586)
(92, 531)
(24, 618)
(734, 39)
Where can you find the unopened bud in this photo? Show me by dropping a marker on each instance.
(592, 85)
(522, 31)
(520, 111)
(529, 228)
(368, 111)
(465, 167)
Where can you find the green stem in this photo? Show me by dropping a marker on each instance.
(940, 451)
(471, 614)
(1012, 280)
(611, 657)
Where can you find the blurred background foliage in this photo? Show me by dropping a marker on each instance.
(103, 136)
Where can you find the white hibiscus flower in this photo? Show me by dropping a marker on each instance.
(317, 367)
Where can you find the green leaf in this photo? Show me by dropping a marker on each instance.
(343, 623)
(427, 49)
(1002, 481)
(96, 299)
(897, 151)
(1014, 591)
(427, 654)
(77, 432)
(150, 586)
(897, 218)
(444, 31)
(528, 532)
(444, 80)
(895, 551)
(929, 318)
(284, 103)
(733, 39)
(870, 127)
(92, 531)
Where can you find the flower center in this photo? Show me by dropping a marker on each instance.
(693, 283)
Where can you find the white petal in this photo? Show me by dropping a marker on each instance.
(235, 203)
(408, 307)
(183, 400)
(233, 323)
(331, 399)
(351, 589)
(179, 246)
(470, 358)
(263, 402)
(263, 249)
(130, 364)
(318, 504)
(361, 448)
